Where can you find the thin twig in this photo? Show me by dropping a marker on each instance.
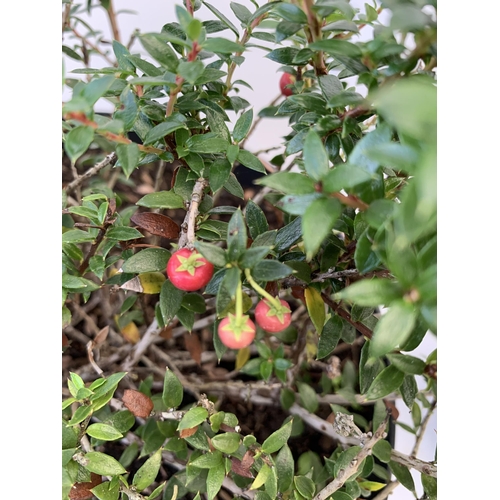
(344, 474)
(109, 160)
(422, 429)
(94, 47)
(112, 21)
(188, 236)
(387, 490)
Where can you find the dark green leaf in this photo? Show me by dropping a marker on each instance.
(285, 468)
(250, 161)
(103, 464)
(430, 486)
(160, 50)
(236, 236)
(407, 364)
(271, 270)
(337, 47)
(288, 235)
(234, 187)
(223, 18)
(330, 336)
(168, 126)
(128, 156)
(170, 301)
(172, 390)
(219, 174)
(123, 233)
(121, 54)
(208, 460)
(308, 397)
(193, 417)
(330, 86)
(403, 475)
(283, 55)
(222, 46)
(161, 199)
(252, 256)
(409, 390)
(213, 253)
(97, 88)
(288, 183)
(278, 438)
(371, 292)
(318, 221)
(344, 176)
(365, 258)
(241, 12)
(215, 478)
(147, 473)
(393, 328)
(255, 219)
(315, 158)
(387, 381)
(382, 450)
(78, 141)
(147, 260)
(217, 124)
(206, 143)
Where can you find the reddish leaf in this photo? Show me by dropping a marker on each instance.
(137, 403)
(157, 224)
(247, 460)
(193, 345)
(240, 469)
(272, 288)
(81, 491)
(166, 333)
(185, 433)
(392, 407)
(298, 293)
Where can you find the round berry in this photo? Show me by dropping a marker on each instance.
(188, 270)
(236, 336)
(271, 319)
(286, 79)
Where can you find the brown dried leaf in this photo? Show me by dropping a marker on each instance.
(166, 333)
(392, 407)
(101, 336)
(157, 224)
(240, 469)
(81, 491)
(185, 433)
(272, 288)
(193, 346)
(247, 460)
(137, 403)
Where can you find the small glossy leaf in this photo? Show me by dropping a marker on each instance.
(172, 390)
(370, 292)
(147, 260)
(171, 124)
(387, 381)
(103, 464)
(195, 416)
(288, 235)
(170, 301)
(330, 336)
(365, 258)
(255, 219)
(78, 141)
(308, 397)
(222, 46)
(147, 473)
(382, 450)
(208, 460)
(250, 161)
(305, 486)
(407, 364)
(215, 478)
(242, 125)
(278, 438)
(128, 156)
(337, 47)
(403, 475)
(315, 158)
(160, 50)
(103, 432)
(393, 328)
(285, 466)
(228, 442)
(344, 176)
(270, 270)
(409, 390)
(123, 233)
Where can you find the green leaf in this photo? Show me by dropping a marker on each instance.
(242, 125)
(104, 432)
(241, 12)
(409, 390)
(330, 86)
(222, 46)
(344, 176)
(109, 490)
(208, 460)
(330, 336)
(387, 381)
(317, 223)
(213, 253)
(220, 171)
(123, 233)
(215, 478)
(195, 416)
(407, 364)
(382, 450)
(206, 143)
(308, 397)
(381, 135)
(147, 260)
(283, 55)
(103, 464)
(80, 414)
(160, 50)
(121, 54)
(315, 158)
(252, 256)
(172, 390)
(370, 292)
(305, 486)
(250, 161)
(77, 236)
(315, 308)
(97, 88)
(171, 124)
(223, 18)
(170, 301)
(288, 183)
(278, 438)
(128, 156)
(271, 270)
(236, 236)
(393, 328)
(285, 466)
(234, 187)
(403, 475)
(161, 199)
(291, 13)
(77, 141)
(228, 442)
(337, 47)
(288, 235)
(147, 473)
(345, 459)
(255, 219)
(261, 477)
(364, 257)
(430, 486)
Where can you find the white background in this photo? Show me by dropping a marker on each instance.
(261, 73)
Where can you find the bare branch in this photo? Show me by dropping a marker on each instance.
(188, 237)
(109, 160)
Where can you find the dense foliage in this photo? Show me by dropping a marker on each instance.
(342, 228)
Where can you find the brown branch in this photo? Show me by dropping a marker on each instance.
(364, 330)
(188, 236)
(65, 19)
(93, 47)
(351, 201)
(109, 160)
(344, 474)
(112, 21)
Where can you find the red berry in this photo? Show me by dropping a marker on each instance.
(286, 79)
(234, 336)
(271, 320)
(188, 270)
